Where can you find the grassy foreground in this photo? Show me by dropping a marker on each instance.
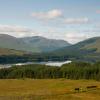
(47, 89)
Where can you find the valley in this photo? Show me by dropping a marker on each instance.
(49, 49)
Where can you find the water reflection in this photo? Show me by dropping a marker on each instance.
(50, 63)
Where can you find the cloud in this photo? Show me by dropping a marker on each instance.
(77, 36)
(13, 28)
(76, 20)
(52, 14)
(56, 16)
(17, 31)
(74, 37)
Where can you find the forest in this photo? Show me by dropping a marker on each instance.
(12, 59)
(74, 70)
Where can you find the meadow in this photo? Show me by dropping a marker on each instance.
(48, 89)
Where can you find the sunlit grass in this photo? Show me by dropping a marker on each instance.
(47, 89)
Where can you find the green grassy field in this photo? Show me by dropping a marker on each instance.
(48, 89)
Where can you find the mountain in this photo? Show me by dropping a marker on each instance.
(45, 44)
(5, 51)
(31, 44)
(86, 50)
(10, 42)
(93, 43)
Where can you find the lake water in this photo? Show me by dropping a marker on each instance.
(50, 63)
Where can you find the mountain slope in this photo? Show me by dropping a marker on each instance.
(34, 44)
(94, 44)
(4, 51)
(45, 44)
(10, 42)
(88, 49)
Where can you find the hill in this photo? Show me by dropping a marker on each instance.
(88, 49)
(94, 43)
(45, 44)
(4, 51)
(10, 42)
(31, 44)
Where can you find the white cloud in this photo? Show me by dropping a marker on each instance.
(74, 37)
(17, 31)
(52, 14)
(13, 28)
(77, 36)
(70, 36)
(76, 20)
(55, 14)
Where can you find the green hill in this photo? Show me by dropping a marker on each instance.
(34, 44)
(4, 51)
(85, 50)
(10, 42)
(44, 44)
(94, 44)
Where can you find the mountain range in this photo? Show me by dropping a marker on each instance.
(44, 44)
(85, 50)
(35, 44)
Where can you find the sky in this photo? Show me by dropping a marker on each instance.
(70, 20)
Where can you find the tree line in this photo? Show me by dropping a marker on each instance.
(11, 59)
(74, 70)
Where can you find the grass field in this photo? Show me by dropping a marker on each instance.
(47, 89)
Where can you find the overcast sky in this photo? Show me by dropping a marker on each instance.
(71, 20)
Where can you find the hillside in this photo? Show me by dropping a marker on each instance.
(31, 44)
(4, 51)
(45, 44)
(94, 44)
(88, 49)
(10, 42)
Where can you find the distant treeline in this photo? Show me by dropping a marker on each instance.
(75, 70)
(10, 59)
